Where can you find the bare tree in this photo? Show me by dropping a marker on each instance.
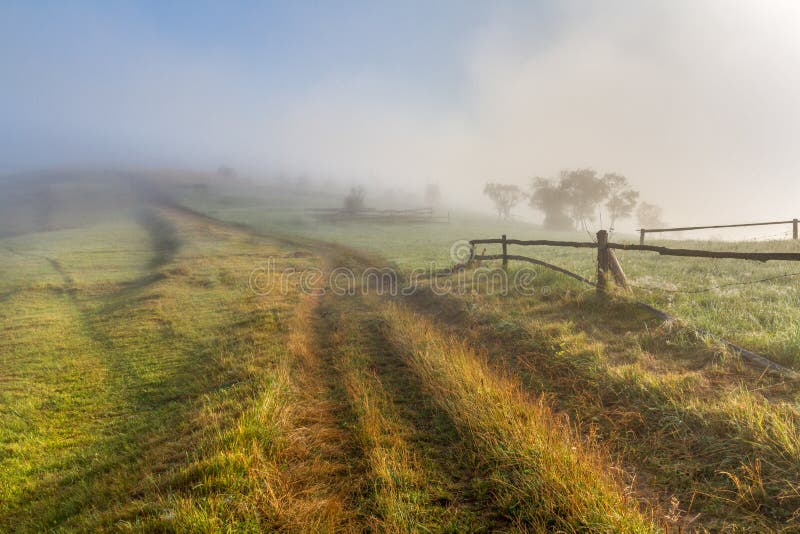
(504, 197)
(354, 201)
(649, 215)
(621, 197)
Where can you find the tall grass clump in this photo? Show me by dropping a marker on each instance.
(541, 473)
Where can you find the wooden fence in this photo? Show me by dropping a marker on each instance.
(416, 215)
(607, 261)
(643, 231)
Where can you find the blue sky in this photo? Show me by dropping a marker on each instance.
(277, 49)
(681, 95)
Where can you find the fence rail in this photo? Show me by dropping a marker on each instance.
(534, 261)
(414, 215)
(607, 262)
(665, 251)
(643, 231)
(543, 242)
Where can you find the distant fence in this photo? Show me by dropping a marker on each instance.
(643, 231)
(416, 215)
(607, 260)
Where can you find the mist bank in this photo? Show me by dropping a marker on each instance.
(693, 102)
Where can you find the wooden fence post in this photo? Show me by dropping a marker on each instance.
(505, 252)
(641, 236)
(616, 269)
(794, 229)
(602, 260)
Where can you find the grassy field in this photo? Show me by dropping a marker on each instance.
(145, 386)
(722, 296)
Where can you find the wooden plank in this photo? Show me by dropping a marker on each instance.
(755, 256)
(536, 262)
(750, 356)
(616, 269)
(602, 260)
(680, 229)
(542, 242)
(505, 252)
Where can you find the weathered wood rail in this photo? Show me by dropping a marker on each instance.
(755, 256)
(542, 242)
(415, 215)
(643, 231)
(556, 268)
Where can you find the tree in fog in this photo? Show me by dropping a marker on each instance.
(226, 172)
(578, 197)
(433, 196)
(649, 215)
(586, 192)
(354, 201)
(551, 199)
(504, 197)
(621, 197)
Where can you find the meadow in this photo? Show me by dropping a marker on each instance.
(725, 297)
(147, 387)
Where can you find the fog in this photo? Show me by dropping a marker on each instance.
(695, 102)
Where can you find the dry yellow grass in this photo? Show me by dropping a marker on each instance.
(543, 474)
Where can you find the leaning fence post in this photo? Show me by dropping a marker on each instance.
(505, 252)
(794, 229)
(616, 269)
(641, 236)
(602, 260)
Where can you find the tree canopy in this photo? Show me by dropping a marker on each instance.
(649, 215)
(549, 198)
(504, 197)
(578, 196)
(354, 201)
(621, 198)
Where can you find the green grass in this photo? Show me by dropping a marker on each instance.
(126, 385)
(145, 387)
(763, 317)
(540, 473)
(704, 440)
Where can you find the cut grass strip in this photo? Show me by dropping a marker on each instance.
(402, 496)
(542, 474)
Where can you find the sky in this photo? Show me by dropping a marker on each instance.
(695, 101)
